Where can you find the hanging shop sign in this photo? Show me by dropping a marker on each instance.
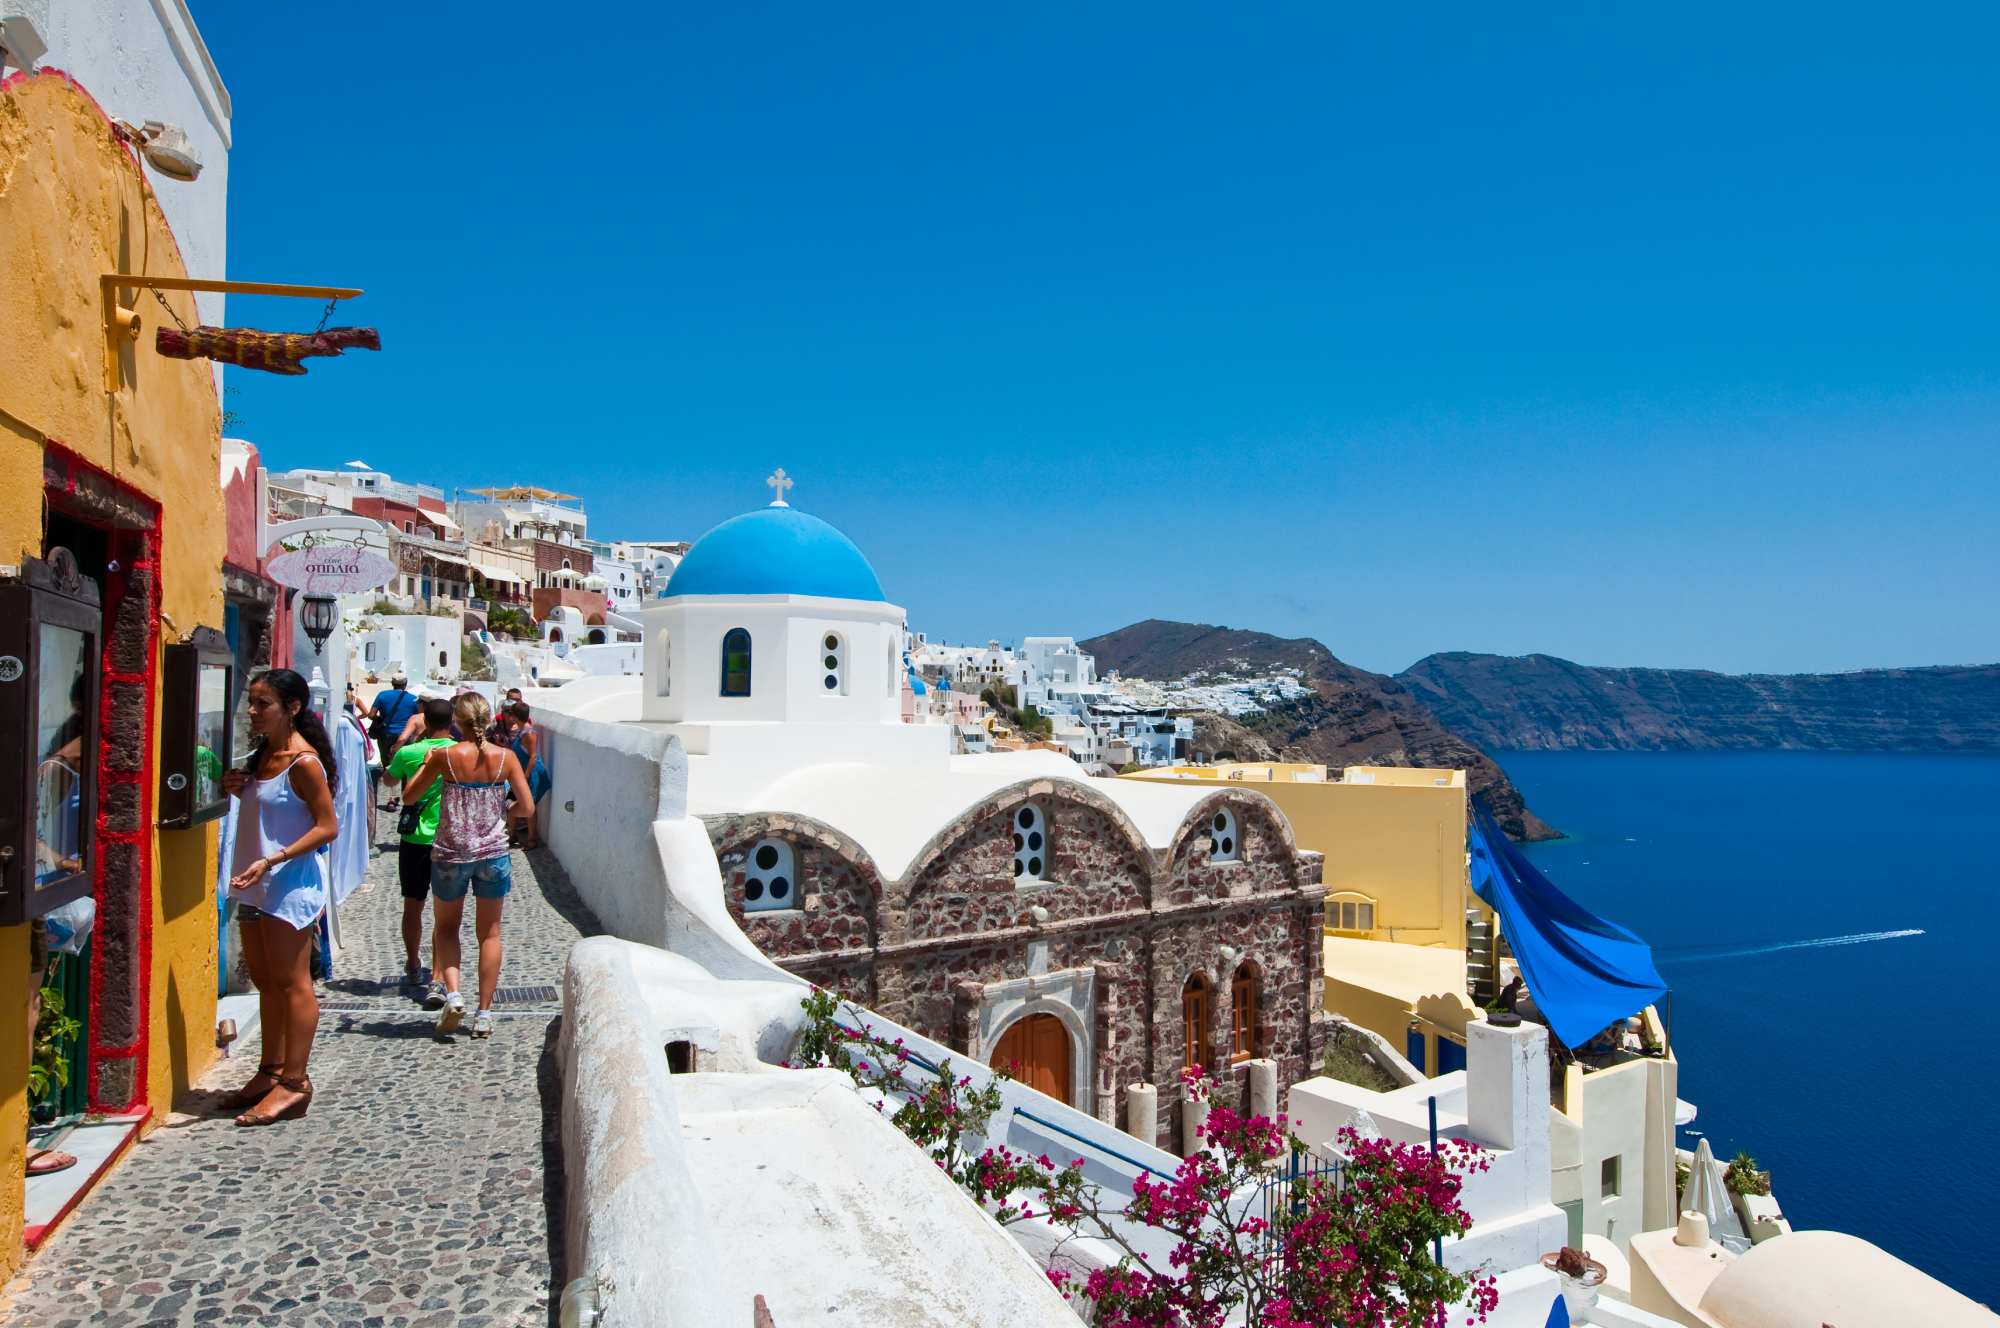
(331, 569)
(248, 348)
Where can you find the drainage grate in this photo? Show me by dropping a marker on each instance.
(525, 996)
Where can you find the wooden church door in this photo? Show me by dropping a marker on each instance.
(1036, 1051)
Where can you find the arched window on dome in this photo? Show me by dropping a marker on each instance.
(736, 662)
(663, 661)
(833, 664)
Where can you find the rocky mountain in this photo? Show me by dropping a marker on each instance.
(1539, 701)
(1352, 717)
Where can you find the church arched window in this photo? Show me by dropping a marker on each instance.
(770, 877)
(736, 662)
(663, 661)
(1224, 843)
(833, 664)
(1031, 843)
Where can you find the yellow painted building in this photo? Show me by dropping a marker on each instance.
(1397, 900)
(1394, 840)
(128, 483)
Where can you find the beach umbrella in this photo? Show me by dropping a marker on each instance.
(1707, 1195)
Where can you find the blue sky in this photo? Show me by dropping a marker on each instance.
(1663, 336)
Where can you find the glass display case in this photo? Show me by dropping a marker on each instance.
(197, 728)
(51, 644)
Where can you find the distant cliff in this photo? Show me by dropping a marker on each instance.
(1353, 717)
(1538, 701)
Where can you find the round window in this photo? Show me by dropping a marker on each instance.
(770, 880)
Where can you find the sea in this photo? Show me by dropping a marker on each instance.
(1829, 924)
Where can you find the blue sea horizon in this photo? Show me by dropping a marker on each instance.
(1825, 921)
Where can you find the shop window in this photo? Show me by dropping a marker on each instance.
(833, 664)
(1243, 1013)
(664, 661)
(1196, 1002)
(736, 662)
(770, 877)
(1031, 843)
(50, 655)
(1225, 845)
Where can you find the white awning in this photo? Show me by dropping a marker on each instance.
(495, 572)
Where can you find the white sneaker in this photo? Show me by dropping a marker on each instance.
(482, 1024)
(452, 1015)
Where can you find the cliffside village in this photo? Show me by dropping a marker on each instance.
(761, 779)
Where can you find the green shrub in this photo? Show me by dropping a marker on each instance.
(1742, 1176)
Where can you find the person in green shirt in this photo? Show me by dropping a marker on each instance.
(418, 826)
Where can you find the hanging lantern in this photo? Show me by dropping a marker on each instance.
(319, 616)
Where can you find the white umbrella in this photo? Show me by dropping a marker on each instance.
(1707, 1195)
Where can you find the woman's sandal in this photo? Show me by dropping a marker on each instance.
(255, 1090)
(301, 1085)
(47, 1161)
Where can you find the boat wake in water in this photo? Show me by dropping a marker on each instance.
(1701, 956)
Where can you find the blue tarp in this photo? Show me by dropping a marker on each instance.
(1584, 973)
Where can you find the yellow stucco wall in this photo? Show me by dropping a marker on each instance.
(1398, 838)
(73, 205)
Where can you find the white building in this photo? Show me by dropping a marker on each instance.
(623, 580)
(523, 512)
(418, 645)
(654, 560)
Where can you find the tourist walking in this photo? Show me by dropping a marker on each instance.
(526, 741)
(470, 852)
(284, 817)
(416, 827)
(393, 707)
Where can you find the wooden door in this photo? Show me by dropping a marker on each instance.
(1036, 1051)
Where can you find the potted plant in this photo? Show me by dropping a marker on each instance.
(1580, 1276)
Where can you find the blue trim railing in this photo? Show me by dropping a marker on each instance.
(1093, 1145)
(1086, 1141)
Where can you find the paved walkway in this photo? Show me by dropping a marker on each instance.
(424, 1190)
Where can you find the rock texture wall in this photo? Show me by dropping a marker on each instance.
(932, 949)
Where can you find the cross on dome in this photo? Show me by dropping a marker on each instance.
(779, 482)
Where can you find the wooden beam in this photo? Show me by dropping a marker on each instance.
(117, 329)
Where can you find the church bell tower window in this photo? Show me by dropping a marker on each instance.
(736, 662)
(833, 664)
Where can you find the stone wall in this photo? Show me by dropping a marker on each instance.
(1107, 941)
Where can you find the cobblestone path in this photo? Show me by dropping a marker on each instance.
(424, 1190)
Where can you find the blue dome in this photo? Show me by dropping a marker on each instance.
(775, 551)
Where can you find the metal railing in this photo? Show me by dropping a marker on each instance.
(1281, 1203)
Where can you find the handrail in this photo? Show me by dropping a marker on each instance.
(906, 1054)
(1087, 1142)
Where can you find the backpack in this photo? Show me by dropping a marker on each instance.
(378, 727)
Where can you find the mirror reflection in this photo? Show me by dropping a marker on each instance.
(59, 735)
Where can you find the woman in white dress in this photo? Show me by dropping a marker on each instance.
(284, 819)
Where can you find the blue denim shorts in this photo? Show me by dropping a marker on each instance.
(491, 879)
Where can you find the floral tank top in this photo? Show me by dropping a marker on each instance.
(472, 817)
